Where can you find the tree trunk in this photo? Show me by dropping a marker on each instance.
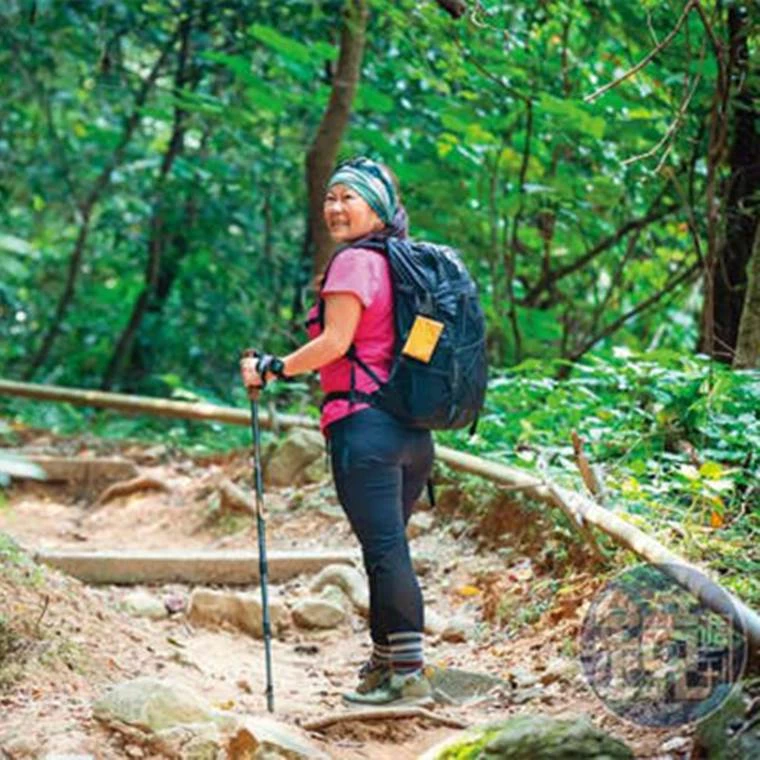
(158, 234)
(748, 342)
(86, 209)
(726, 280)
(320, 158)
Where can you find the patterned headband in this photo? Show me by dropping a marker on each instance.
(371, 181)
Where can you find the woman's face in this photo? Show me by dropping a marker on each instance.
(348, 216)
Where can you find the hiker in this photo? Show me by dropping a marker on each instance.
(379, 464)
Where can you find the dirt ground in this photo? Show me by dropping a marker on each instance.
(85, 642)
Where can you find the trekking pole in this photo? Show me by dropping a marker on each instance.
(253, 395)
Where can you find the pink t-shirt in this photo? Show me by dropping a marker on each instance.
(366, 274)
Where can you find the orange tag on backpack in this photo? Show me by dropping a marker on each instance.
(423, 338)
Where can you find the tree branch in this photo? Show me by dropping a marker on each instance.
(455, 8)
(644, 61)
(645, 304)
(600, 247)
(86, 209)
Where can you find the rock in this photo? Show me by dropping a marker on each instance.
(154, 454)
(522, 696)
(152, 705)
(173, 719)
(142, 604)
(273, 740)
(313, 612)
(239, 609)
(175, 603)
(349, 580)
(420, 523)
(456, 630)
(522, 678)
(434, 623)
(457, 686)
(20, 745)
(316, 472)
(336, 596)
(297, 450)
(532, 737)
(331, 511)
(457, 528)
(560, 669)
(423, 563)
(675, 744)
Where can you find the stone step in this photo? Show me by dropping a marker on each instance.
(229, 567)
(83, 469)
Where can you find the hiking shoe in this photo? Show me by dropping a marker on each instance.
(399, 689)
(372, 675)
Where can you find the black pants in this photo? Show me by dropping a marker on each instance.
(380, 467)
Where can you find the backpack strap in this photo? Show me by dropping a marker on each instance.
(352, 395)
(354, 357)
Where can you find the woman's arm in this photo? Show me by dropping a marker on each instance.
(342, 314)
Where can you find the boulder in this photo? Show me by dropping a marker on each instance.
(349, 580)
(298, 449)
(315, 612)
(532, 737)
(177, 723)
(151, 706)
(272, 740)
(239, 609)
(337, 596)
(142, 604)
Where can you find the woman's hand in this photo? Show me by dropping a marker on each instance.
(251, 378)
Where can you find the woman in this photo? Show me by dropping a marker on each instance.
(379, 465)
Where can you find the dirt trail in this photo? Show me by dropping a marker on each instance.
(49, 707)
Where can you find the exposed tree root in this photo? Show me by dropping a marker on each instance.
(389, 713)
(127, 487)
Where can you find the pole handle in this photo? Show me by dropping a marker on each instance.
(252, 390)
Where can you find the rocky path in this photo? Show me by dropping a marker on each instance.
(72, 642)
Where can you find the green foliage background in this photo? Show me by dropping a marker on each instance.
(583, 220)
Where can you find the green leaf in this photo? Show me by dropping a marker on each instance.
(17, 245)
(369, 97)
(286, 46)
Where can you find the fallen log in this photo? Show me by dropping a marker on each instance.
(583, 508)
(155, 407)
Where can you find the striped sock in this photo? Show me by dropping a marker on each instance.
(381, 655)
(406, 651)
